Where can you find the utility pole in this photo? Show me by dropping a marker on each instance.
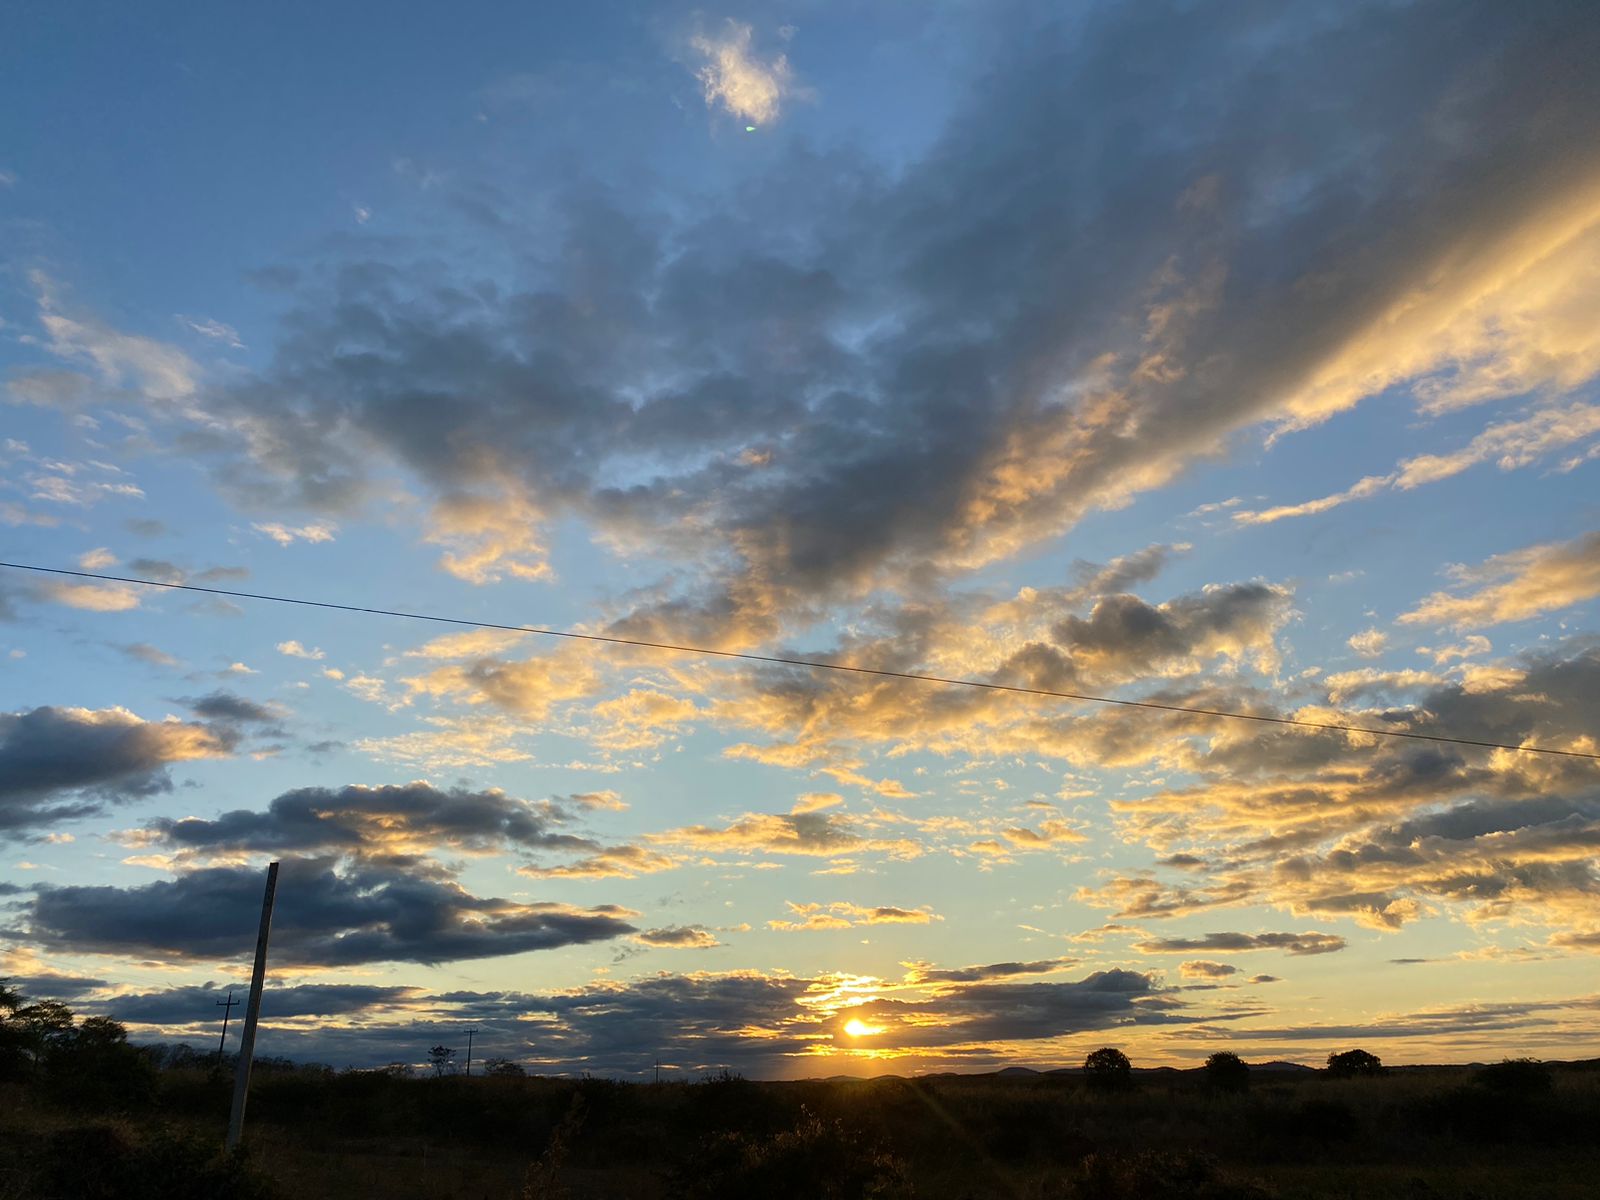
(247, 1044)
(658, 1068)
(470, 1032)
(227, 1011)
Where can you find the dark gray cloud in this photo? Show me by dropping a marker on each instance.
(50, 986)
(163, 571)
(1290, 943)
(845, 376)
(146, 653)
(392, 819)
(924, 973)
(61, 763)
(197, 1005)
(986, 1012)
(324, 916)
(234, 709)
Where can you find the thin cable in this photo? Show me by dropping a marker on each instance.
(814, 664)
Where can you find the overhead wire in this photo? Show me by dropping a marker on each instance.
(812, 664)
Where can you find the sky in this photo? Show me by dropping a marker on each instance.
(1228, 357)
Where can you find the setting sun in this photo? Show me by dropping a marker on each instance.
(856, 1027)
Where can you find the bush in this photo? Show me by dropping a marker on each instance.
(100, 1162)
(1354, 1064)
(1155, 1175)
(814, 1160)
(1324, 1121)
(1516, 1077)
(1108, 1068)
(1227, 1072)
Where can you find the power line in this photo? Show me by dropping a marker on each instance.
(814, 664)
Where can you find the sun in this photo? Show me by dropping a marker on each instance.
(856, 1027)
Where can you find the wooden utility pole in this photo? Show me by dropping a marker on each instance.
(227, 1011)
(247, 1044)
(470, 1032)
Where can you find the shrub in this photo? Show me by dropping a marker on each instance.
(1227, 1072)
(1354, 1064)
(1108, 1068)
(1516, 1077)
(1324, 1121)
(1156, 1175)
(814, 1160)
(99, 1162)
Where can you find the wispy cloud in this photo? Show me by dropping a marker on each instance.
(1516, 586)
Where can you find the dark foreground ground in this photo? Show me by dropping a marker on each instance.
(1414, 1134)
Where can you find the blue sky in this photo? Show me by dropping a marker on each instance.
(1228, 358)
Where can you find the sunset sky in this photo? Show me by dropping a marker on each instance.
(1229, 356)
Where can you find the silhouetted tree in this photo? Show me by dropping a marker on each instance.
(1227, 1072)
(1108, 1068)
(27, 1032)
(442, 1059)
(503, 1067)
(1353, 1064)
(1516, 1077)
(92, 1064)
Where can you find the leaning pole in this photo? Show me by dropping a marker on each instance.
(247, 1044)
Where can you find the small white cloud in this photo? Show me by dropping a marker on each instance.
(363, 215)
(97, 558)
(1369, 643)
(92, 597)
(239, 668)
(8, 179)
(296, 650)
(215, 330)
(317, 531)
(733, 77)
(332, 673)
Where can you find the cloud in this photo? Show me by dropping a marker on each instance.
(1289, 943)
(324, 916)
(159, 372)
(372, 821)
(316, 531)
(606, 800)
(215, 331)
(194, 1005)
(741, 83)
(921, 972)
(91, 597)
(816, 802)
(1518, 585)
(844, 915)
(449, 743)
(679, 937)
(606, 862)
(293, 649)
(816, 834)
(62, 763)
(1200, 968)
(95, 560)
(1370, 486)
(1369, 643)
(230, 708)
(722, 353)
